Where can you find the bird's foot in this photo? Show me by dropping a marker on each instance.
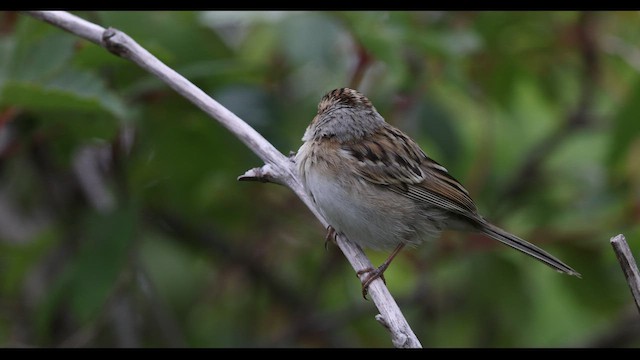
(330, 237)
(373, 274)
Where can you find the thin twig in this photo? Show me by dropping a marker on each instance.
(278, 168)
(628, 264)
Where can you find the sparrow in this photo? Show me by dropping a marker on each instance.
(375, 185)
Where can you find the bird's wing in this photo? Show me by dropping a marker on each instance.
(390, 158)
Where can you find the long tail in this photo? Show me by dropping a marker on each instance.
(526, 247)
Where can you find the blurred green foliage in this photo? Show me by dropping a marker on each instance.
(122, 223)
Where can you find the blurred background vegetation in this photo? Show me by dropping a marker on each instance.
(122, 223)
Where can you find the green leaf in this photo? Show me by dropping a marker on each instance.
(44, 58)
(87, 282)
(101, 259)
(70, 90)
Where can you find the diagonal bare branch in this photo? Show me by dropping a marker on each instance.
(278, 168)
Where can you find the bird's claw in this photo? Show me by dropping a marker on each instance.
(330, 237)
(373, 274)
